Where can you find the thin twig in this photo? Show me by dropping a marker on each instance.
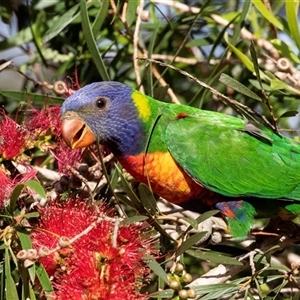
(241, 108)
(162, 82)
(245, 34)
(135, 46)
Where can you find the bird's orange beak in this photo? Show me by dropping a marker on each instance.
(76, 133)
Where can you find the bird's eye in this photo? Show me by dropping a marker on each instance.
(101, 102)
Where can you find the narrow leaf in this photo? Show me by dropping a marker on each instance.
(161, 92)
(147, 199)
(43, 278)
(61, 23)
(214, 257)
(131, 12)
(169, 293)
(206, 215)
(267, 13)
(290, 113)
(25, 240)
(22, 37)
(285, 50)
(240, 22)
(291, 9)
(157, 269)
(192, 222)
(90, 40)
(245, 60)
(33, 214)
(14, 198)
(34, 98)
(26, 244)
(134, 219)
(10, 286)
(100, 18)
(136, 203)
(237, 86)
(276, 84)
(34, 185)
(255, 63)
(190, 242)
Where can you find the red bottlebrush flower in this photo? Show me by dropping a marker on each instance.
(7, 184)
(66, 156)
(45, 120)
(103, 263)
(12, 137)
(49, 120)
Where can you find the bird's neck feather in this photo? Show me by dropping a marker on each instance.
(133, 137)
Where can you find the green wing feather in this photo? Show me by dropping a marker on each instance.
(233, 159)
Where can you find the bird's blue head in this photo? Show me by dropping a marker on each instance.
(103, 111)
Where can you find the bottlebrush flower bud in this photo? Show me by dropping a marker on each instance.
(32, 254)
(63, 242)
(43, 251)
(28, 263)
(22, 255)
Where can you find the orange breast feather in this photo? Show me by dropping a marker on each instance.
(166, 177)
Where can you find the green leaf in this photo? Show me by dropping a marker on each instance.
(136, 203)
(206, 215)
(255, 63)
(291, 9)
(25, 240)
(61, 23)
(131, 12)
(220, 37)
(289, 113)
(10, 286)
(100, 18)
(267, 13)
(240, 22)
(26, 244)
(34, 185)
(34, 98)
(276, 84)
(192, 222)
(157, 269)
(197, 43)
(215, 291)
(135, 219)
(256, 84)
(236, 85)
(33, 214)
(161, 92)
(90, 40)
(14, 198)
(190, 242)
(43, 277)
(285, 50)
(245, 60)
(214, 257)
(22, 37)
(169, 293)
(147, 199)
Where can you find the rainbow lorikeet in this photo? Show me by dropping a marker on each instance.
(197, 159)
